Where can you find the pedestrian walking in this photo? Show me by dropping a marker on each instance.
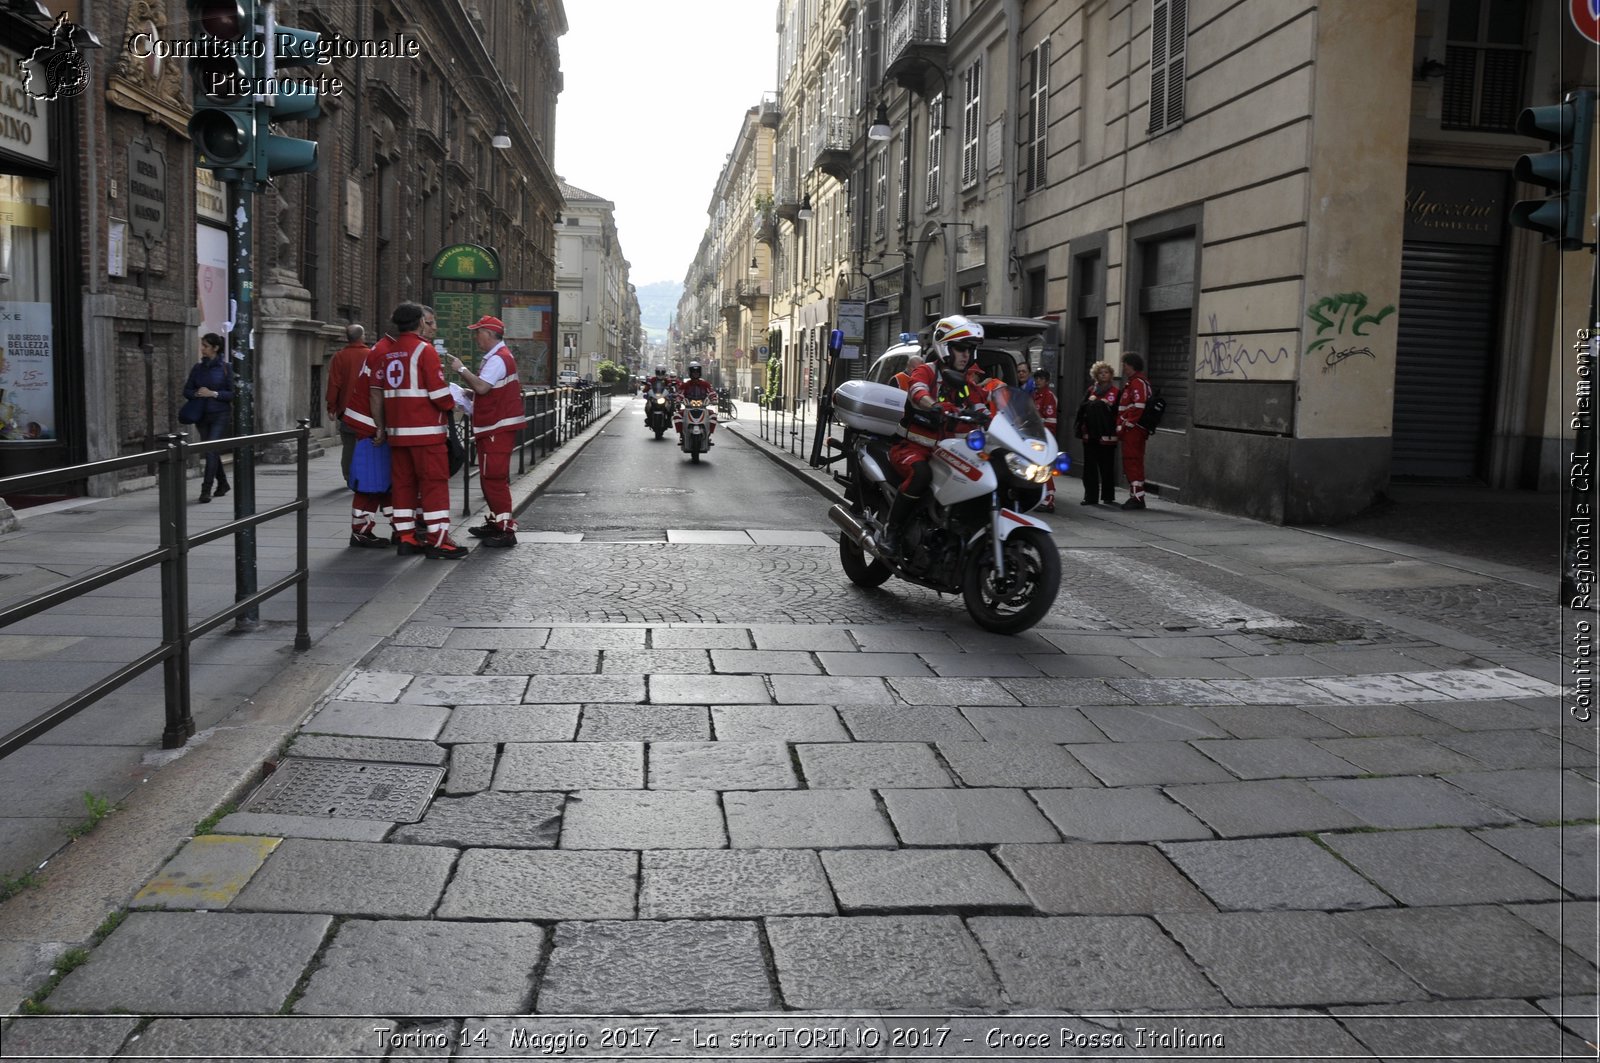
(343, 371)
(410, 404)
(1049, 407)
(1131, 434)
(496, 409)
(211, 380)
(1096, 427)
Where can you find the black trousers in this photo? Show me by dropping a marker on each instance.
(1100, 472)
(214, 426)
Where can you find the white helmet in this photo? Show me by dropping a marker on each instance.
(958, 331)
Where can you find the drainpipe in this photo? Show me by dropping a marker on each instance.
(1009, 153)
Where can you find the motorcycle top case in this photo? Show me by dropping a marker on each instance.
(870, 407)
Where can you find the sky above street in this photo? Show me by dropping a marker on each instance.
(654, 96)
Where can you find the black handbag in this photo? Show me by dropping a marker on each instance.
(192, 410)
(455, 445)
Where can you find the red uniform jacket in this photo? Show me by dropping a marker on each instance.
(500, 411)
(1049, 408)
(416, 398)
(1130, 403)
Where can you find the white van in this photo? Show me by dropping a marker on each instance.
(567, 378)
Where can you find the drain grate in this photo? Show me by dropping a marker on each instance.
(347, 789)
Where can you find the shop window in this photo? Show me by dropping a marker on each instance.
(27, 338)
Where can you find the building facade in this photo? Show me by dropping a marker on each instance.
(126, 239)
(1323, 283)
(599, 307)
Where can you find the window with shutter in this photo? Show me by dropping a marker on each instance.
(904, 205)
(1038, 117)
(971, 122)
(1169, 36)
(935, 150)
(1486, 66)
(880, 203)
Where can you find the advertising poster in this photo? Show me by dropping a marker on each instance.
(530, 319)
(211, 279)
(27, 373)
(454, 312)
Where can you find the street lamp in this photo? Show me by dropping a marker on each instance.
(805, 213)
(755, 267)
(880, 124)
(502, 135)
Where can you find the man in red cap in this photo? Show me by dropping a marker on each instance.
(410, 401)
(496, 417)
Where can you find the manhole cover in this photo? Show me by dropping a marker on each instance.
(347, 789)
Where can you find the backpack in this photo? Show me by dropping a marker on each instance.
(1154, 408)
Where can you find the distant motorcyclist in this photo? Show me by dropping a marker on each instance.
(939, 389)
(695, 386)
(660, 384)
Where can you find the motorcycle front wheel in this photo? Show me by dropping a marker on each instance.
(1023, 597)
(660, 432)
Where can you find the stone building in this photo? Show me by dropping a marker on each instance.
(1296, 209)
(599, 307)
(124, 262)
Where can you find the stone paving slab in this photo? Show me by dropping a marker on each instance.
(1060, 666)
(893, 961)
(1277, 806)
(548, 884)
(765, 662)
(721, 766)
(425, 967)
(366, 719)
(1055, 692)
(1031, 765)
(700, 637)
(806, 819)
(1031, 724)
(1128, 814)
(1003, 665)
(350, 747)
(35, 1038)
(208, 872)
(544, 662)
(559, 689)
(1085, 879)
(700, 537)
(645, 662)
(1567, 856)
(1465, 684)
(469, 690)
(1574, 924)
(597, 637)
(1480, 951)
(338, 828)
(1480, 715)
(790, 538)
(364, 685)
(1146, 763)
(1375, 690)
(571, 766)
(966, 817)
(1163, 723)
(801, 637)
(1179, 668)
(1363, 721)
(1408, 802)
(864, 662)
(907, 723)
(829, 690)
(899, 880)
(237, 1038)
(502, 820)
(1436, 867)
(1264, 959)
(510, 723)
(1507, 1028)
(497, 638)
(787, 723)
(1267, 691)
(225, 970)
(643, 819)
(1398, 755)
(1091, 963)
(707, 689)
(1541, 795)
(471, 768)
(418, 659)
(349, 878)
(1511, 750)
(857, 765)
(1275, 758)
(1189, 692)
(645, 723)
(649, 967)
(729, 883)
(886, 639)
(1273, 875)
(1185, 646)
(959, 691)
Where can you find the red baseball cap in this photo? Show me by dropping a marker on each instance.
(489, 322)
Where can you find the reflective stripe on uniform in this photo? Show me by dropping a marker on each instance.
(435, 430)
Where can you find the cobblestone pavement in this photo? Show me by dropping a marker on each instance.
(1236, 818)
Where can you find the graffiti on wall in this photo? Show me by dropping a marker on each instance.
(1342, 318)
(1230, 356)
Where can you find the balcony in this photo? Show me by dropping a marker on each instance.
(729, 302)
(786, 193)
(771, 110)
(764, 225)
(916, 52)
(830, 146)
(751, 293)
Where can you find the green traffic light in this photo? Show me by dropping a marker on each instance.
(221, 138)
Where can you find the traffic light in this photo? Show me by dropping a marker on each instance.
(1564, 170)
(223, 125)
(295, 100)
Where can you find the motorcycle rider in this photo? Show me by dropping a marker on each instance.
(656, 385)
(1049, 412)
(696, 387)
(949, 379)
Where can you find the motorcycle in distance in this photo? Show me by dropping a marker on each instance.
(725, 404)
(695, 420)
(658, 412)
(970, 535)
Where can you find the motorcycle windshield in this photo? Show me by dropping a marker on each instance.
(1018, 408)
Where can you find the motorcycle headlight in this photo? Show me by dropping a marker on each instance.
(661, 402)
(1024, 469)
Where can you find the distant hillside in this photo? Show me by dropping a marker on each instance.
(657, 303)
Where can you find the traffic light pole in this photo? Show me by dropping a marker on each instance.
(241, 288)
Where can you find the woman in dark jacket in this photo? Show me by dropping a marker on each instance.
(211, 379)
(1097, 427)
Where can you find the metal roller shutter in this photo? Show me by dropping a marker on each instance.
(1445, 355)
(1169, 363)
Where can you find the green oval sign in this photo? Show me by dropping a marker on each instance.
(466, 262)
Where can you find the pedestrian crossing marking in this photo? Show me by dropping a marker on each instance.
(1184, 596)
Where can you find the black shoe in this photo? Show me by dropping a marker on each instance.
(446, 551)
(1133, 503)
(221, 490)
(1088, 502)
(484, 530)
(406, 547)
(500, 539)
(368, 540)
(205, 496)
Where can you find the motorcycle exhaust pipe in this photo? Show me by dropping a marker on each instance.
(856, 531)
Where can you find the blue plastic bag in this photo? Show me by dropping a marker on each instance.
(369, 467)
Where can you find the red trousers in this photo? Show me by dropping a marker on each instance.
(494, 478)
(366, 508)
(420, 480)
(1133, 441)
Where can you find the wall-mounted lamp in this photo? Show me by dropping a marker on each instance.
(805, 212)
(1429, 68)
(755, 267)
(880, 124)
(502, 135)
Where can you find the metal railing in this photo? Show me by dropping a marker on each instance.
(917, 22)
(172, 555)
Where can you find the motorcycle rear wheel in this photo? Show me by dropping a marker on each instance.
(1033, 567)
(862, 568)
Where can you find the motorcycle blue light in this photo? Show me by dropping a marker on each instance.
(1063, 462)
(976, 439)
